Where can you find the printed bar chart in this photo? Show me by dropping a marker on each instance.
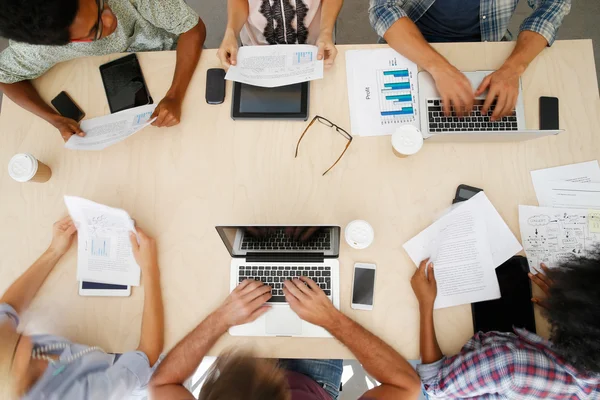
(398, 73)
(302, 57)
(395, 96)
(100, 247)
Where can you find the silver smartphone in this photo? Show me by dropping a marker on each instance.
(363, 286)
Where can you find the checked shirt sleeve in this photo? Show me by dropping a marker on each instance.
(383, 14)
(479, 371)
(546, 18)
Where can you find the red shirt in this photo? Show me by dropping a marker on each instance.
(304, 388)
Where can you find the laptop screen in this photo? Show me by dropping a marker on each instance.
(243, 240)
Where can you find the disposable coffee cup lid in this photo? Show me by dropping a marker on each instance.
(359, 234)
(407, 140)
(22, 167)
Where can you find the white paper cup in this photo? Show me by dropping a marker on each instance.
(407, 140)
(359, 234)
(24, 167)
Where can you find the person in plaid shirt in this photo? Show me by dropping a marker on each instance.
(403, 24)
(522, 365)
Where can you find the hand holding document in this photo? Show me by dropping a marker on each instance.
(104, 252)
(458, 247)
(105, 131)
(277, 65)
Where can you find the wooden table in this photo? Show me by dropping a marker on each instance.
(179, 183)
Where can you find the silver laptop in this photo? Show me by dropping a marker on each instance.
(272, 254)
(476, 126)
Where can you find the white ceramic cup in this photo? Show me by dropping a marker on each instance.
(407, 140)
(359, 234)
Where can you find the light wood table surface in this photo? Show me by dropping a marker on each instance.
(179, 183)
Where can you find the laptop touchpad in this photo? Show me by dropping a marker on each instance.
(283, 321)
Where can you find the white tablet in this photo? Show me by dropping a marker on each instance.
(103, 289)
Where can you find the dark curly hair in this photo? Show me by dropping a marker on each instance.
(573, 310)
(37, 21)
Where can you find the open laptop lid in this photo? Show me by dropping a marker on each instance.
(320, 240)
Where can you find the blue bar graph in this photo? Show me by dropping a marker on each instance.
(399, 73)
(396, 98)
(303, 57)
(99, 247)
(397, 86)
(403, 111)
(400, 97)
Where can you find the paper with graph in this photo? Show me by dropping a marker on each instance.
(382, 91)
(277, 65)
(103, 247)
(551, 235)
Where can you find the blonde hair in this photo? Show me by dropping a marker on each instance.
(9, 339)
(240, 376)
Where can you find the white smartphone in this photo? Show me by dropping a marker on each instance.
(363, 286)
(103, 289)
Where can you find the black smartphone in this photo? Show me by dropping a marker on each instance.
(67, 107)
(548, 113)
(215, 86)
(465, 192)
(124, 84)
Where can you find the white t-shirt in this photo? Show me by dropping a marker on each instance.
(282, 22)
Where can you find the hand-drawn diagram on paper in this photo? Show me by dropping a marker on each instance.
(550, 235)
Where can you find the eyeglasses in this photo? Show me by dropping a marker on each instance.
(330, 124)
(98, 27)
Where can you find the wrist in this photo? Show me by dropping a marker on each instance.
(219, 320)
(54, 252)
(53, 118)
(175, 94)
(437, 66)
(326, 33)
(426, 308)
(515, 65)
(334, 319)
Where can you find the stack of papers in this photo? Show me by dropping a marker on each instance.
(104, 252)
(105, 131)
(278, 65)
(465, 245)
(382, 91)
(568, 223)
(569, 186)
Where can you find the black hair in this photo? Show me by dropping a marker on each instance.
(573, 310)
(37, 21)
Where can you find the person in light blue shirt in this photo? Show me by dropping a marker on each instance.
(52, 367)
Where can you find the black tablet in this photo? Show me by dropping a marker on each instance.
(283, 102)
(514, 308)
(124, 84)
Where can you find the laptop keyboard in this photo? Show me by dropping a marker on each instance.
(475, 121)
(274, 276)
(279, 240)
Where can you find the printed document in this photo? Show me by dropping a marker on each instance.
(277, 65)
(105, 131)
(503, 244)
(104, 252)
(565, 194)
(382, 91)
(457, 245)
(551, 235)
(544, 180)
